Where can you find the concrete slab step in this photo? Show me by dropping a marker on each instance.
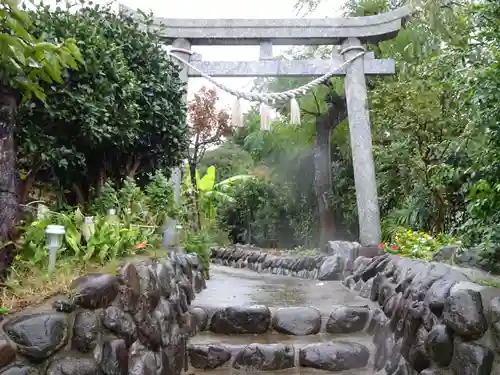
(204, 338)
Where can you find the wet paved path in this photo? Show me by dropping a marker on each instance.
(231, 287)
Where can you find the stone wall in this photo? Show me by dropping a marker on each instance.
(332, 266)
(136, 322)
(432, 319)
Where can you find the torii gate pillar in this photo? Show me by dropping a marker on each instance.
(170, 232)
(351, 33)
(361, 146)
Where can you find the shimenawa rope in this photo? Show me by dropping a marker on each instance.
(271, 98)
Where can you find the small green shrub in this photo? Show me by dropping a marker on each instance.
(4, 311)
(199, 243)
(148, 205)
(417, 245)
(159, 198)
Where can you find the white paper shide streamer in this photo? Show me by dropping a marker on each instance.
(294, 112)
(237, 113)
(265, 117)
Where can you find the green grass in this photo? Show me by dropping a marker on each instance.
(488, 282)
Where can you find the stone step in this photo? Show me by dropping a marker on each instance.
(297, 321)
(331, 356)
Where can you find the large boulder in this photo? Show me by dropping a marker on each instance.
(348, 319)
(332, 268)
(208, 357)
(265, 357)
(38, 335)
(298, 321)
(254, 319)
(334, 356)
(463, 313)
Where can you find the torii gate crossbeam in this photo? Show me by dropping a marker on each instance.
(349, 33)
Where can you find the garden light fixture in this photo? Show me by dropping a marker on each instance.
(88, 227)
(55, 235)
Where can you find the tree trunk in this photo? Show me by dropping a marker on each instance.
(80, 196)
(27, 185)
(9, 193)
(325, 123)
(195, 197)
(101, 179)
(132, 167)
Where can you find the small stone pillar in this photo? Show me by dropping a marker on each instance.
(361, 145)
(170, 235)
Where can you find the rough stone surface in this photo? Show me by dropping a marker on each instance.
(95, 290)
(38, 336)
(472, 359)
(432, 318)
(85, 331)
(332, 268)
(241, 319)
(437, 294)
(334, 356)
(120, 323)
(439, 345)
(347, 319)
(425, 309)
(73, 366)
(265, 357)
(299, 321)
(136, 323)
(463, 313)
(207, 357)
(200, 318)
(20, 369)
(114, 358)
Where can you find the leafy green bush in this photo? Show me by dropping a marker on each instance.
(149, 205)
(159, 197)
(121, 112)
(199, 243)
(262, 213)
(417, 245)
(140, 212)
(100, 242)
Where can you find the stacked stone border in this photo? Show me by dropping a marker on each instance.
(327, 356)
(334, 266)
(294, 321)
(431, 318)
(136, 322)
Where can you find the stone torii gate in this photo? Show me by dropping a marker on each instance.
(349, 33)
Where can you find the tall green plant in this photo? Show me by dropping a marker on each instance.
(211, 193)
(27, 61)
